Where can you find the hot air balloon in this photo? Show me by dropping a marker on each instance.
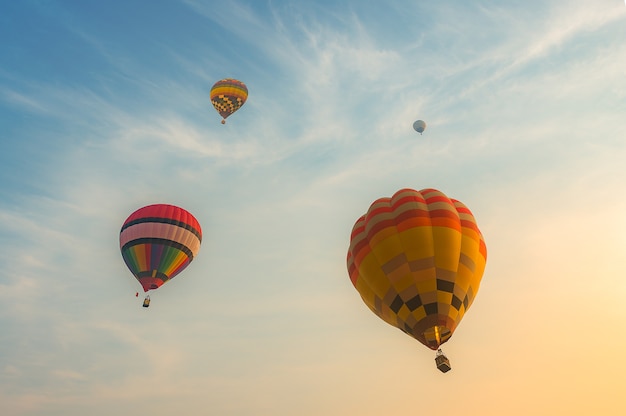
(158, 242)
(419, 126)
(227, 96)
(417, 260)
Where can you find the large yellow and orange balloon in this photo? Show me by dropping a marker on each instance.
(417, 259)
(227, 96)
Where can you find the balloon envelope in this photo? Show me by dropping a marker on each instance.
(419, 126)
(227, 96)
(417, 260)
(158, 242)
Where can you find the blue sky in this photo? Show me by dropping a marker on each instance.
(105, 108)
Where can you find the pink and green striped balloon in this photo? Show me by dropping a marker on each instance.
(158, 242)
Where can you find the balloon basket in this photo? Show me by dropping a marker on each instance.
(443, 364)
(146, 301)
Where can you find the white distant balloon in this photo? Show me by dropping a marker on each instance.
(420, 125)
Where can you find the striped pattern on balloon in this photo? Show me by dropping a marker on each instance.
(158, 242)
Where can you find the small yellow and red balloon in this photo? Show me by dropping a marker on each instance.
(227, 96)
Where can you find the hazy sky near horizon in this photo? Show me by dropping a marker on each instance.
(105, 108)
